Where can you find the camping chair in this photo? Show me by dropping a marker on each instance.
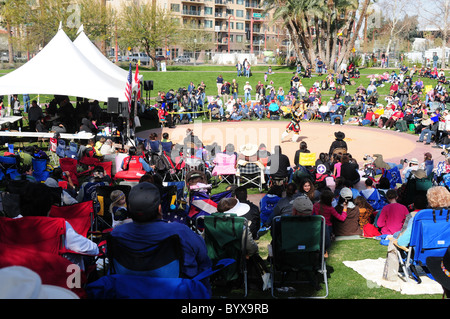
(36, 233)
(225, 168)
(102, 217)
(61, 148)
(225, 238)
(9, 166)
(80, 216)
(133, 172)
(250, 174)
(52, 268)
(72, 151)
(70, 165)
(40, 171)
(298, 247)
(173, 173)
(430, 237)
(162, 260)
(154, 272)
(172, 204)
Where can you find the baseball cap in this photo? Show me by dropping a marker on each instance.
(143, 202)
(346, 193)
(303, 204)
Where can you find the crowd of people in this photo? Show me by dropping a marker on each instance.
(333, 97)
(328, 188)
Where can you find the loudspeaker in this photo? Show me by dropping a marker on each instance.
(124, 109)
(113, 105)
(148, 85)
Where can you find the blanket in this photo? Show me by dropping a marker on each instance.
(372, 270)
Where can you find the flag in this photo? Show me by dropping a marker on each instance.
(136, 79)
(128, 90)
(202, 203)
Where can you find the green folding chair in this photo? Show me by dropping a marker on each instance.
(298, 247)
(225, 238)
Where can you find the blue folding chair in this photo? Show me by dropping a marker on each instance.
(430, 237)
(40, 172)
(72, 151)
(9, 167)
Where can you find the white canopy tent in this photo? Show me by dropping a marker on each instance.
(61, 69)
(93, 54)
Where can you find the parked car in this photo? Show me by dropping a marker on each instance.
(143, 57)
(182, 59)
(161, 58)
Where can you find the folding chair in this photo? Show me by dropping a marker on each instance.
(9, 166)
(70, 165)
(40, 171)
(80, 216)
(36, 233)
(103, 219)
(72, 151)
(61, 148)
(163, 260)
(133, 172)
(250, 175)
(52, 268)
(119, 286)
(225, 238)
(224, 168)
(298, 247)
(430, 237)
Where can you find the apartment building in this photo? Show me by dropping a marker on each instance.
(237, 25)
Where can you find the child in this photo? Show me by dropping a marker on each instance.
(337, 166)
(118, 208)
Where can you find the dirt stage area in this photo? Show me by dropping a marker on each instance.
(318, 136)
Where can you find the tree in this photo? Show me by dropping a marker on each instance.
(436, 13)
(394, 12)
(13, 15)
(98, 21)
(323, 28)
(194, 38)
(146, 26)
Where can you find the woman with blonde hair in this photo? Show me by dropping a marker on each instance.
(436, 197)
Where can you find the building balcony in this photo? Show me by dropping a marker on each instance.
(192, 13)
(199, 2)
(219, 15)
(220, 3)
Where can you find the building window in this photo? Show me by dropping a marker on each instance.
(239, 1)
(239, 13)
(208, 10)
(239, 38)
(208, 24)
(239, 26)
(175, 7)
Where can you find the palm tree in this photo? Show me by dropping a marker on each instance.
(314, 26)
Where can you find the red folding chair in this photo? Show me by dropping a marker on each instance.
(45, 234)
(80, 216)
(68, 164)
(52, 268)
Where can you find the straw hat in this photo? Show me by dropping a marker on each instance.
(249, 149)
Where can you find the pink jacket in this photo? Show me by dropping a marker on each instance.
(328, 212)
(391, 218)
